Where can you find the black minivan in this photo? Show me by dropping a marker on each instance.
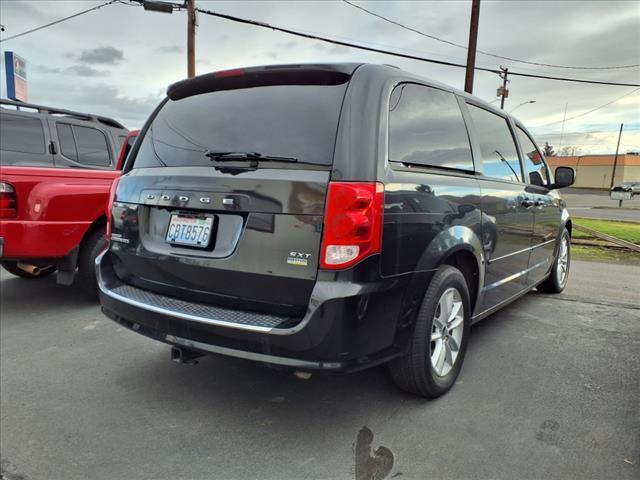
(330, 217)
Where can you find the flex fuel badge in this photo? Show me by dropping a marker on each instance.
(298, 258)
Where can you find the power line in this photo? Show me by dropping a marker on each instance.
(58, 21)
(433, 37)
(590, 111)
(397, 54)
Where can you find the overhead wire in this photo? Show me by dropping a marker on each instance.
(590, 111)
(398, 54)
(57, 21)
(433, 37)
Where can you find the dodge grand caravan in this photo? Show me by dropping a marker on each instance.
(330, 217)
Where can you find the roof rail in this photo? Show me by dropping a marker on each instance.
(60, 111)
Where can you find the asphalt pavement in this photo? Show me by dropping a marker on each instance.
(549, 389)
(598, 204)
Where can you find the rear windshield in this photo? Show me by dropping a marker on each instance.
(298, 121)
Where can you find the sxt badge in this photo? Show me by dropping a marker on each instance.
(298, 258)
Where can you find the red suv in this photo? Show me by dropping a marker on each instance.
(56, 168)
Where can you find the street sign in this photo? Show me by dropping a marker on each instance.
(16, 69)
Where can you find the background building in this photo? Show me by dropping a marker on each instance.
(594, 171)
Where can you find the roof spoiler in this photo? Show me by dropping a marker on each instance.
(305, 74)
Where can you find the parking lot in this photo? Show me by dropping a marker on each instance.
(549, 389)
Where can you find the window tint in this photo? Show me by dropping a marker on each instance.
(298, 121)
(534, 165)
(92, 146)
(21, 134)
(426, 127)
(499, 154)
(67, 143)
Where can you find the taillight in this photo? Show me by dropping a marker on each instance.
(8, 203)
(352, 223)
(112, 197)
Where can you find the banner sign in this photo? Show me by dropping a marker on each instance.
(16, 69)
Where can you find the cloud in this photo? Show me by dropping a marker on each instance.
(171, 49)
(86, 71)
(289, 44)
(101, 55)
(100, 99)
(44, 69)
(596, 34)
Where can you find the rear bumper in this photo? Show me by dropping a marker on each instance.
(349, 325)
(24, 240)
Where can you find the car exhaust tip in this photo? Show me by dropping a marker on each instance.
(184, 356)
(31, 269)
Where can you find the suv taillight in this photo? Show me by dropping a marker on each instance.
(8, 204)
(112, 197)
(352, 223)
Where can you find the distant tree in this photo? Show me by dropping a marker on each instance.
(548, 150)
(569, 150)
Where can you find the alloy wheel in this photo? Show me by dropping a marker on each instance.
(446, 332)
(563, 261)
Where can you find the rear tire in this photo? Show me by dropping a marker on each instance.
(557, 280)
(12, 268)
(433, 360)
(91, 246)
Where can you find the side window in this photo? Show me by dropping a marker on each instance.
(92, 146)
(21, 134)
(67, 143)
(426, 128)
(534, 165)
(499, 154)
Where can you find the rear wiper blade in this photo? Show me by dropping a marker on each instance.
(254, 156)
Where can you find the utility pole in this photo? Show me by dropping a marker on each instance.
(503, 92)
(615, 159)
(471, 51)
(191, 37)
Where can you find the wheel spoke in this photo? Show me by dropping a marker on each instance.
(442, 353)
(454, 311)
(437, 335)
(448, 355)
(456, 323)
(453, 344)
(447, 304)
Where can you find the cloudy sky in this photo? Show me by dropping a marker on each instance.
(118, 60)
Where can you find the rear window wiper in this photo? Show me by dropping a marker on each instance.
(253, 156)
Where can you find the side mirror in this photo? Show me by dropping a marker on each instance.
(565, 177)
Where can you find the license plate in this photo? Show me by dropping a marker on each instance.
(190, 231)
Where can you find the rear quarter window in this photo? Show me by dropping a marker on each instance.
(21, 134)
(426, 127)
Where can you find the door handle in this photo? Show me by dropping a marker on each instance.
(527, 203)
(52, 148)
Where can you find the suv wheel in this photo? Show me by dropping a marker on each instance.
(436, 351)
(557, 280)
(92, 245)
(12, 267)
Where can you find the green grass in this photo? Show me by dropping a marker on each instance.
(622, 230)
(603, 254)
